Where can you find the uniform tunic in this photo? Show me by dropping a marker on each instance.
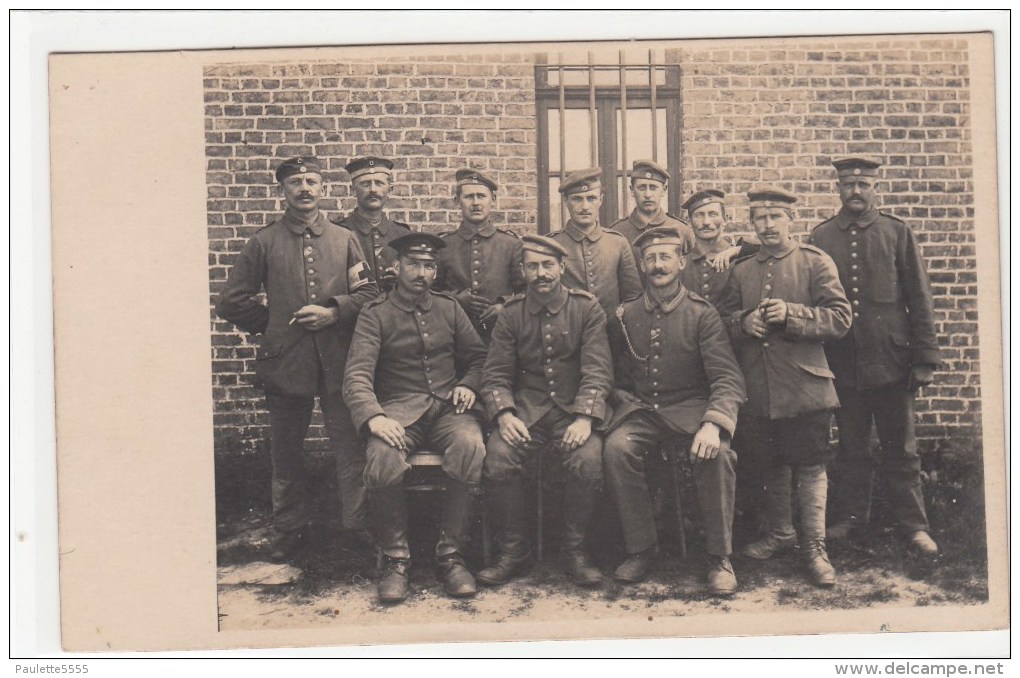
(634, 224)
(374, 241)
(675, 370)
(486, 261)
(700, 276)
(600, 262)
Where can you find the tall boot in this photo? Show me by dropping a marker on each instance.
(508, 503)
(387, 509)
(458, 501)
(812, 486)
(780, 534)
(578, 505)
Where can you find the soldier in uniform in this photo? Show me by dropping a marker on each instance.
(708, 267)
(677, 383)
(890, 352)
(648, 182)
(781, 304)
(370, 179)
(411, 383)
(545, 382)
(597, 261)
(315, 280)
(481, 264)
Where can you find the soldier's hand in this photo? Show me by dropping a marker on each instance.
(706, 442)
(774, 311)
(389, 431)
(512, 430)
(489, 317)
(474, 304)
(920, 375)
(577, 434)
(724, 259)
(754, 325)
(315, 318)
(463, 399)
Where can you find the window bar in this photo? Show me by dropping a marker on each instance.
(563, 139)
(655, 111)
(623, 131)
(592, 110)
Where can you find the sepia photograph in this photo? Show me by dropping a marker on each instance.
(654, 338)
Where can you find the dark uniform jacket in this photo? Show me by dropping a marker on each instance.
(786, 373)
(487, 262)
(675, 358)
(700, 276)
(375, 242)
(555, 355)
(403, 357)
(600, 262)
(881, 268)
(297, 266)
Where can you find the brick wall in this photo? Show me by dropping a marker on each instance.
(751, 113)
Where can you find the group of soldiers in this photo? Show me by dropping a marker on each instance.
(603, 344)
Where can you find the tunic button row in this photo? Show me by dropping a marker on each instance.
(552, 394)
(308, 235)
(765, 344)
(308, 250)
(310, 260)
(768, 288)
(311, 283)
(856, 314)
(314, 296)
(704, 275)
(311, 271)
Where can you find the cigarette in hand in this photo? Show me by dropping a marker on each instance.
(292, 321)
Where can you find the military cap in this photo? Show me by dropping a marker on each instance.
(543, 245)
(661, 235)
(702, 198)
(418, 244)
(582, 181)
(298, 165)
(369, 164)
(646, 169)
(770, 196)
(860, 167)
(469, 176)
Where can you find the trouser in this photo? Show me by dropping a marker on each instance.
(503, 474)
(459, 438)
(289, 419)
(792, 454)
(899, 466)
(624, 458)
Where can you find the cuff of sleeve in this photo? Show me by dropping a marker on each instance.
(721, 420)
(589, 403)
(361, 416)
(497, 400)
(348, 309)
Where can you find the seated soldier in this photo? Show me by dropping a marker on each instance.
(411, 379)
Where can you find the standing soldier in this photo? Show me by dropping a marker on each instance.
(597, 260)
(677, 383)
(370, 178)
(315, 280)
(411, 383)
(546, 380)
(648, 183)
(481, 264)
(703, 275)
(890, 352)
(781, 304)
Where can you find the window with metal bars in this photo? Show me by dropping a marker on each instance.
(599, 115)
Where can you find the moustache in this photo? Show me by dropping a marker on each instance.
(542, 280)
(659, 271)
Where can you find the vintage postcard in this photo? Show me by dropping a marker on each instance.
(207, 502)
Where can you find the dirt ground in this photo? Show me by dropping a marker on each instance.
(332, 581)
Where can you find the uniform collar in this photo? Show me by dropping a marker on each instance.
(424, 303)
(721, 243)
(467, 230)
(845, 219)
(298, 227)
(555, 304)
(791, 245)
(365, 228)
(638, 220)
(575, 232)
(667, 306)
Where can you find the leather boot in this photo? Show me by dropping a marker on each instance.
(778, 516)
(812, 488)
(506, 500)
(635, 568)
(387, 511)
(453, 529)
(578, 505)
